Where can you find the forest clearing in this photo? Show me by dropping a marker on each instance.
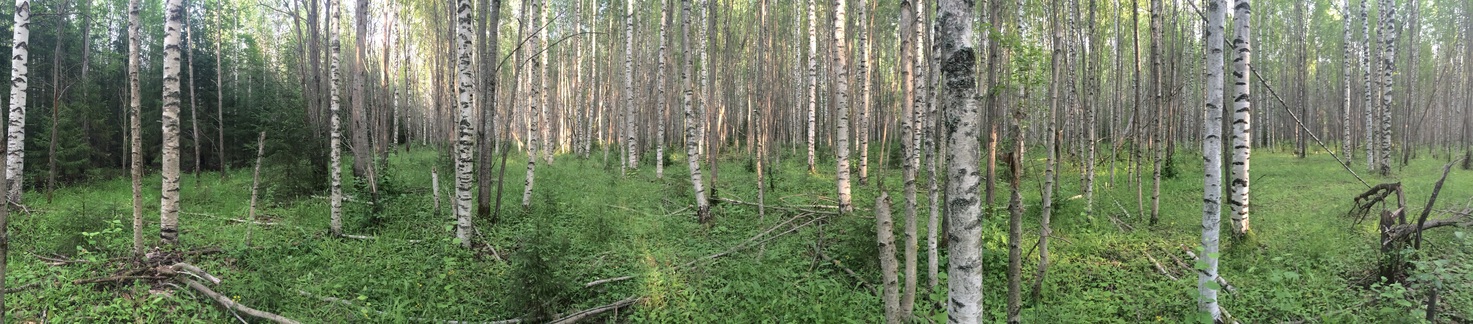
(745, 161)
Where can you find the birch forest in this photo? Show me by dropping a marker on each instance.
(737, 161)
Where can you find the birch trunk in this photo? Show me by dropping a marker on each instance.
(135, 122)
(193, 116)
(334, 121)
(220, 91)
(490, 12)
(255, 184)
(1347, 71)
(812, 81)
(692, 118)
(1387, 31)
(362, 148)
(1243, 117)
(1051, 143)
(889, 267)
(660, 76)
(910, 26)
(1369, 105)
(466, 142)
(534, 43)
(169, 199)
(632, 159)
(1157, 149)
(957, 96)
(862, 133)
(19, 80)
(842, 101)
(1212, 151)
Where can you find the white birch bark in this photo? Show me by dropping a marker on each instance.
(812, 81)
(660, 76)
(335, 140)
(632, 157)
(1242, 136)
(889, 267)
(1348, 71)
(136, 122)
(842, 101)
(466, 143)
(863, 128)
(169, 199)
(910, 138)
(692, 118)
(19, 81)
(1369, 105)
(534, 43)
(1387, 31)
(1212, 151)
(957, 94)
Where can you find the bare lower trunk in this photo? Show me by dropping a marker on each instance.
(957, 96)
(1242, 131)
(169, 199)
(841, 146)
(692, 121)
(135, 125)
(255, 184)
(1212, 151)
(534, 43)
(466, 142)
(335, 141)
(889, 267)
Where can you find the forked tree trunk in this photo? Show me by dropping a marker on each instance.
(169, 199)
(1212, 151)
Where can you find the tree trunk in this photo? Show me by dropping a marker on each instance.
(910, 62)
(660, 76)
(19, 79)
(56, 94)
(632, 159)
(255, 184)
(134, 120)
(1242, 118)
(220, 91)
(863, 77)
(1387, 30)
(335, 141)
(1347, 72)
(362, 147)
(1370, 105)
(169, 199)
(534, 43)
(812, 82)
(188, 49)
(889, 267)
(1051, 143)
(957, 96)
(1212, 150)
(692, 118)
(1158, 105)
(841, 71)
(466, 142)
(490, 52)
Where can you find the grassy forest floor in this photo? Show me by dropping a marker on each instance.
(1307, 262)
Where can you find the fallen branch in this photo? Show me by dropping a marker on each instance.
(851, 273)
(580, 315)
(1159, 267)
(1124, 227)
(741, 246)
(116, 279)
(195, 271)
(28, 286)
(232, 305)
(787, 208)
(604, 281)
(58, 261)
(1220, 281)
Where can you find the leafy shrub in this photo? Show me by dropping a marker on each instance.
(538, 272)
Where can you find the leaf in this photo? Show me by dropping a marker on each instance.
(362, 297)
(1214, 285)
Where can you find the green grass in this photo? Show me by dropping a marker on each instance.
(1306, 262)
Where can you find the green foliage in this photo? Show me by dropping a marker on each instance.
(539, 272)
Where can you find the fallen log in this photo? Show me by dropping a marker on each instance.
(580, 315)
(604, 281)
(235, 306)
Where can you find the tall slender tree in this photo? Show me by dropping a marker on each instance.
(534, 43)
(1212, 151)
(490, 13)
(862, 127)
(957, 95)
(660, 104)
(632, 157)
(19, 81)
(335, 137)
(1347, 72)
(135, 122)
(1387, 30)
(813, 83)
(692, 117)
(1242, 120)
(466, 142)
(169, 200)
(841, 100)
(1369, 105)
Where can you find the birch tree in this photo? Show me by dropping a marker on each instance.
(135, 122)
(862, 132)
(466, 143)
(660, 96)
(535, 43)
(1212, 151)
(812, 81)
(1387, 31)
(1348, 71)
(957, 96)
(910, 25)
(490, 12)
(1242, 131)
(632, 157)
(335, 137)
(1369, 105)
(169, 199)
(842, 101)
(19, 80)
(889, 267)
(692, 117)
